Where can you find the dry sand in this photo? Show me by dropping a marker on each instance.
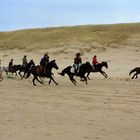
(105, 109)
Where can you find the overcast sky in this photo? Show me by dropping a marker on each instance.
(21, 14)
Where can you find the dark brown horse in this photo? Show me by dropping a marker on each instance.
(13, 69)
(137, 71)
(38, 71)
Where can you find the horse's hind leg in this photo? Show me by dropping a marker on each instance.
(72, 80)
(38, 80)
(88, 75)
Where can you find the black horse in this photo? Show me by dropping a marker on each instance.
(82, 71)
(38, 71)
(137, 71)
(98, 68)
(26, 68)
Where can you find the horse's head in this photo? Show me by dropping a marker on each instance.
(32, 62)
(105, 64)
(53, 64)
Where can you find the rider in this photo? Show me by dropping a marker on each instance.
(94, 61)
(44, 61)
(10, 65)
(24, 61)
(77, 62)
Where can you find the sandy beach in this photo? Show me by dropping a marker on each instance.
(105, 109)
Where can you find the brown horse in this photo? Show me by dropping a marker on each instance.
(137, 71)
(38, 71)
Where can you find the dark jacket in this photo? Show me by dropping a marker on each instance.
(77, 60)
(44, 61)
(10, 64)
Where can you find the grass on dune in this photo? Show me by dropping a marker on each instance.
(104, 35)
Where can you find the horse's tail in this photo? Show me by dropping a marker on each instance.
(132, 71)
(64, 71)
(6, 70)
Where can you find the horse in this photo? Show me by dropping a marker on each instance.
(137, 71)
(38, 71)
(26, 68)
(98, 68)
(82, 71)
(13, 69)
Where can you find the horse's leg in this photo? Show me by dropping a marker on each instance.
(88, 75)
(51, 78)
(133, 76)
(50, 81)
(20, 74)
(38, 80)
(104, 74)
(136, 76)
(41, 79)
(72, 79)
(85, 78)
(34, 81)
(15, 73)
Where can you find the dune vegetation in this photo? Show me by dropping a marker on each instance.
(93, 36)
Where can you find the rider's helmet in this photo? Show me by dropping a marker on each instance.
(78, 54)
(46, 54)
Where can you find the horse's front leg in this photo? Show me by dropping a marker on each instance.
(133, 76)
(104, 74)
(136, 76)
(23, 75)
(20, 74)
(51, 78)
